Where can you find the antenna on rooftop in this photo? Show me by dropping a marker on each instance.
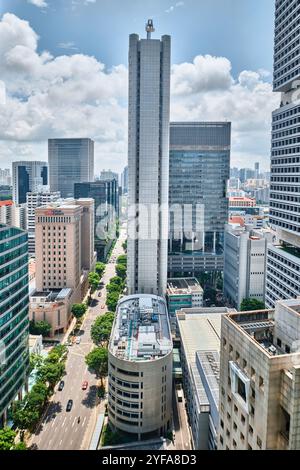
(149, 28)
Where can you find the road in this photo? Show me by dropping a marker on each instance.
(59, 429)
(181, 428)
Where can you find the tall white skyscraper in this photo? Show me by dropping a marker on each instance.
(283, 262)
(148, 162)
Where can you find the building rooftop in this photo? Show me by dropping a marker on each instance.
(265, 327)
(141, 330)
(200, 329)
(51, 295)
(183, 285)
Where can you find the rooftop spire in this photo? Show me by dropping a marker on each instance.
(149, 28)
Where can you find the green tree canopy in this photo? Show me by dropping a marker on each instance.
(94, 280)
(39, 328)
(121, 270)
(112, 299)
(78, 310)
(97, 361)
(100, 268)
(7, 438)
(251, 304)
(101, 329)
(122, 259)
(24, 417)
(51, 373)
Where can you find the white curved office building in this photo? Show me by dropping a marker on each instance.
(140, 367)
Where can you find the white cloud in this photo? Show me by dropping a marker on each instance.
(38, 3)
(172, 7)
(70, 45)
(75, 95)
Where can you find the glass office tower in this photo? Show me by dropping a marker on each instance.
(14, 318)
(199, 170)
(70, 161)
(283, 259)
(28, 177)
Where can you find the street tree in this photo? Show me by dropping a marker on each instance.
(7, 438)
(39, 328)
(252, 304)
(121, 270)
(78, 310)
(97, 361)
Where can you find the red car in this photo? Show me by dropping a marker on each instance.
(84, 385)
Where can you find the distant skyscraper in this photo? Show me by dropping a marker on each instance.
(148, 162)
(27, 177)
(124, 182)
(70, 161)
(14, 352)
(283, 263)
(256, 170)
(199, 170)
(109, 175)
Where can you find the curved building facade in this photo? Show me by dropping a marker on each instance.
(14, 320)
(140, 367)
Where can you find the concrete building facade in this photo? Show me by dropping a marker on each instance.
(260, 379)
(244, 265)
(140, 367)
(285, 157)
(64, 256)
(148, 162)
(34, 200)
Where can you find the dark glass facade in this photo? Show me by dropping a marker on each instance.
(70, 161)
(106, 197)
(14, 317)
(199, 170)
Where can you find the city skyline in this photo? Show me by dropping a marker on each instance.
(207, 83)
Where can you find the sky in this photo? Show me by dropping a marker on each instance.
(63, 72)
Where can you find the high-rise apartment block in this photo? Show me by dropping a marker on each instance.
(27, 177)
(148, 162)
(109, 175)
(14, 351)
(106, 196)
(244, 265)
(34, 200)
(64, 234)
(140, 364)
(5, 177)
(283, 266)
(260, 379)
(199, 170)
(124, 180)
(70, 161)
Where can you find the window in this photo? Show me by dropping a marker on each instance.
(258, 441)
(235, 426)
(244, 363)
(243, 419)
(235, 409)
(251, 430)
(234, 443)
(242, 437)
(279, 342)
(261, 383)
(222, 424)
(287, 349)
(252, 372)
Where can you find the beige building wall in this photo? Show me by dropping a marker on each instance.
(273, 391)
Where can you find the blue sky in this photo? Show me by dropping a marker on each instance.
(63, 64)
(241, 30)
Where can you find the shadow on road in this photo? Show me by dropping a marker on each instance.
(52, 412)
(90, 399)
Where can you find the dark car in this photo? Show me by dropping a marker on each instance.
(69, 405)
(61, 385)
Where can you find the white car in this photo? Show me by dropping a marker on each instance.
(78, 339)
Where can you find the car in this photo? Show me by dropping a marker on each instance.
(61, 385)
(69, 405)
(99, 294)
(78, 339)
(102, 306)
(84, 385)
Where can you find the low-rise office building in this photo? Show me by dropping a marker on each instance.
(199, 331)
(140, 367)
(260, 379)
(244, 265)
(184, 292)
